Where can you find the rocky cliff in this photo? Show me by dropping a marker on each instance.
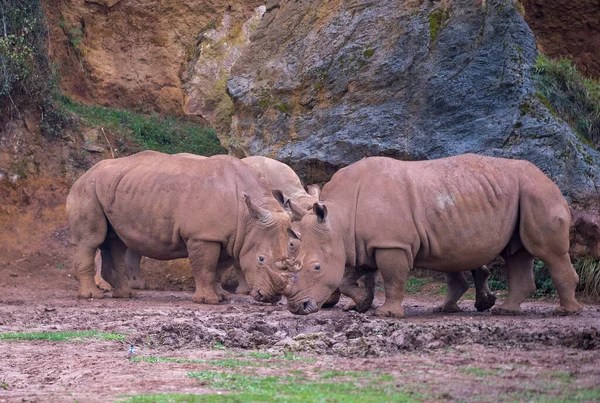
(323, 84)
(133, 53)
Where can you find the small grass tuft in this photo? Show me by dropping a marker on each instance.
(62, 336)
(414, 284)
(588, 270)
(437, 19)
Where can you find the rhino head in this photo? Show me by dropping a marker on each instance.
(319, 267)
(269, 243)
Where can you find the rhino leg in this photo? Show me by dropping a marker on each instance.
(333, 299)
(100, 282)
(88, 231)
(113, 267)
(222, 267)
(565, 281)
(544, 232)
(204, 257)
(361, 295)
(457, 286)
(484, 297)
(394, 265)
(242, 287)
(83, 262)
(133, 270)
(519, 267)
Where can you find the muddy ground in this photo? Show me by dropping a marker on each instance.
(467, 356)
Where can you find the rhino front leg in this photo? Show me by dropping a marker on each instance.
(204, 258)
(362, 296)
(484, 297)
(242, 287)
(519, 268)
(113, 267)
(394, 265)
(457, 286)
(222, 267)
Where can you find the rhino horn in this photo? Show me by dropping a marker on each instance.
(257, 212)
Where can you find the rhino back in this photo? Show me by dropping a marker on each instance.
(155, 202)
(459, 212)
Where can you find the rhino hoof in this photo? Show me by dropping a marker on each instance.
(448, 308)
(569, 310)
(390, 311)
(485, 303)
(206, 299)
(124, 293)
(91, 293)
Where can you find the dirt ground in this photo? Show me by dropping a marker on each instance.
(467, 356)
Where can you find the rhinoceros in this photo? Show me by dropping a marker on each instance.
(449, 215)
(214, 211)
(282, 177)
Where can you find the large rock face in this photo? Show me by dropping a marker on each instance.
(324, 84)
(132, 53)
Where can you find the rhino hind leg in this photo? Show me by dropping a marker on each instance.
(113, 267)
(83, 262)
(484, 297)
(133, 270)
(544, 232)
(88, 230)
(520, 282)
(457, 286)
(204, 258)
(100, 282)
(394, 266)
(565, 281)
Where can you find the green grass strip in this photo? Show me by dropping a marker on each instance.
(62, 336)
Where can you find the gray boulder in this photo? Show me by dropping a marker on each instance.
(322, 85)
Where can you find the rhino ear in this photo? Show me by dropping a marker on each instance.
(297, 211)
(255, 211)
(314, 190)
(280, 197)
(320, 211)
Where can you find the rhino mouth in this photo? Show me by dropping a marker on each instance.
(305, 307)
(260, 297)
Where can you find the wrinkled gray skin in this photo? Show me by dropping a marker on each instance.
(447, 215)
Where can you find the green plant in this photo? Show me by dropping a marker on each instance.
(283, 108)
(588, 270)
(62, 336)
(4, 385)
(413, 284)
(25, 74)
(165, 134)
(574, 97)
(437, 19)
(543, 281)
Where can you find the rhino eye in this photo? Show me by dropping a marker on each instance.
(318, 267)
(261, 259)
